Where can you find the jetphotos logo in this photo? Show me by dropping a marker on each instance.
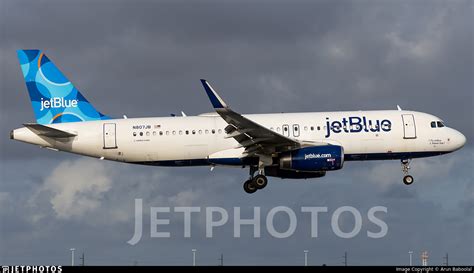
(57, 103)
(32, 269)
(279, 222)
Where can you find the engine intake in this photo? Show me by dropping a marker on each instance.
(316, 158)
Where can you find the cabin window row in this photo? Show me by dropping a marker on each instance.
(178, 132)
(278, 129)
(295, 128)
(305, 128)
(213, 131)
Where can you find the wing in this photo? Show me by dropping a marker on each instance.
(255, 138)
(43, 130)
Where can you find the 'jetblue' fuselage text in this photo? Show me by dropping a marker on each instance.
(357, 125)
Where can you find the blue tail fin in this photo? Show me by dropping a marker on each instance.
(53, 97)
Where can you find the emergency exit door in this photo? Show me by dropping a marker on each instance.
(409, 128)
(110, 137)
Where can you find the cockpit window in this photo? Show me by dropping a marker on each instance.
(433, 124)
(440, 124)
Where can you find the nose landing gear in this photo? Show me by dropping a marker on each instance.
(407, 179)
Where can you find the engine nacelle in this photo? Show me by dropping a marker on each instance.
(316, 158)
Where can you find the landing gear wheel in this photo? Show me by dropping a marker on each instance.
(408, 179)
(249, 186)
(260, 181)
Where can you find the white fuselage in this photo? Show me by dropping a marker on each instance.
(194, 140)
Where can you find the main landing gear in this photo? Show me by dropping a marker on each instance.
(255, 183)
(407, 179)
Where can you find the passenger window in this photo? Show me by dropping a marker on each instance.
(134, 134)
(285, 129)
(180, 132)
(278, 129)
(167, 133)
(207, 132)
(433, 124)
(187, 132)
(319, 128)
(213, 131)
(200, 132)
(306, 128)
(147, 133)
(440, 124)
(312, 128)
(141, 133)
(174, 133)
(296, 130)
(194, 132)
(219, 131)
(161, 133)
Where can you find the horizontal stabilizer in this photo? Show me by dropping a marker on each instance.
(43, 130)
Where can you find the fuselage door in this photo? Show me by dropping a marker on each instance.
(409, 128)
(110, 137)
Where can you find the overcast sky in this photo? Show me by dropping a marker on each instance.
(145, 58)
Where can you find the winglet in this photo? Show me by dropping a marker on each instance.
(216, 100)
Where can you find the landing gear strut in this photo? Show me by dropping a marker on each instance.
(407, 179)
(256, 182)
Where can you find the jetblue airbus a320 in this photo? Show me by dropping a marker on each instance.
(285, 145)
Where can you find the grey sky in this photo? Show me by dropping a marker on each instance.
(146, 58)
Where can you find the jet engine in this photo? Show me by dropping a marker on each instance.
(313, 159)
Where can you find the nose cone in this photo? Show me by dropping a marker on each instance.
(458, 140)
